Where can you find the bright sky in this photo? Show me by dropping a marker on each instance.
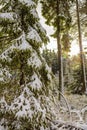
(53, 43)
(74, 48)
(49, 30)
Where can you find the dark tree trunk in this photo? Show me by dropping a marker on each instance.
(81, 49)
(59, 51)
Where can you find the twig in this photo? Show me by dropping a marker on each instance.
(66, 104)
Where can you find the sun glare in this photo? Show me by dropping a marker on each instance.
(73, 51)
(74, 48)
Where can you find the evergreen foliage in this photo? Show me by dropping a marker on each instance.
(51, 58)
(51, 14)
(76, 84)
(25, 78)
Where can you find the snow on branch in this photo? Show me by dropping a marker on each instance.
(22, 105)
(34, 60)
(28, 3)
(23, 45)
(33, 35)
(20, 43)
(9, 17)
(42, 32)
(41, 29)
(35, 82)
(34, 13)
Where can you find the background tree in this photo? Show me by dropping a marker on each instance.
(58, 16)
(81, 50)
(76, 85)
(52, 59)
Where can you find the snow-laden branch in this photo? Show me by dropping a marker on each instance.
(33, 35)
(28, 3)
(9, 17)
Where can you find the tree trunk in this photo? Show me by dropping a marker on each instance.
(81, 49)
(59, 51)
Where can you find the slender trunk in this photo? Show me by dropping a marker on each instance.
(59, 51)
(81, 49)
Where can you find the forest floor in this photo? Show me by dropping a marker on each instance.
(73, 107)
(77, 101)
(71, 112)
(76, 110)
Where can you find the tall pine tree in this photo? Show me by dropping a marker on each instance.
(58, 16)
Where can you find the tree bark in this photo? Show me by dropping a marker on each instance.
(59, 51)
(81, 49)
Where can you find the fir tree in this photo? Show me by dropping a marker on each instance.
(24, 78)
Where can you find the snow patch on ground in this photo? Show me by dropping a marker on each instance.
(83, 126)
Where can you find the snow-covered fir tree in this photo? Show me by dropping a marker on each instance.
(25, 78)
